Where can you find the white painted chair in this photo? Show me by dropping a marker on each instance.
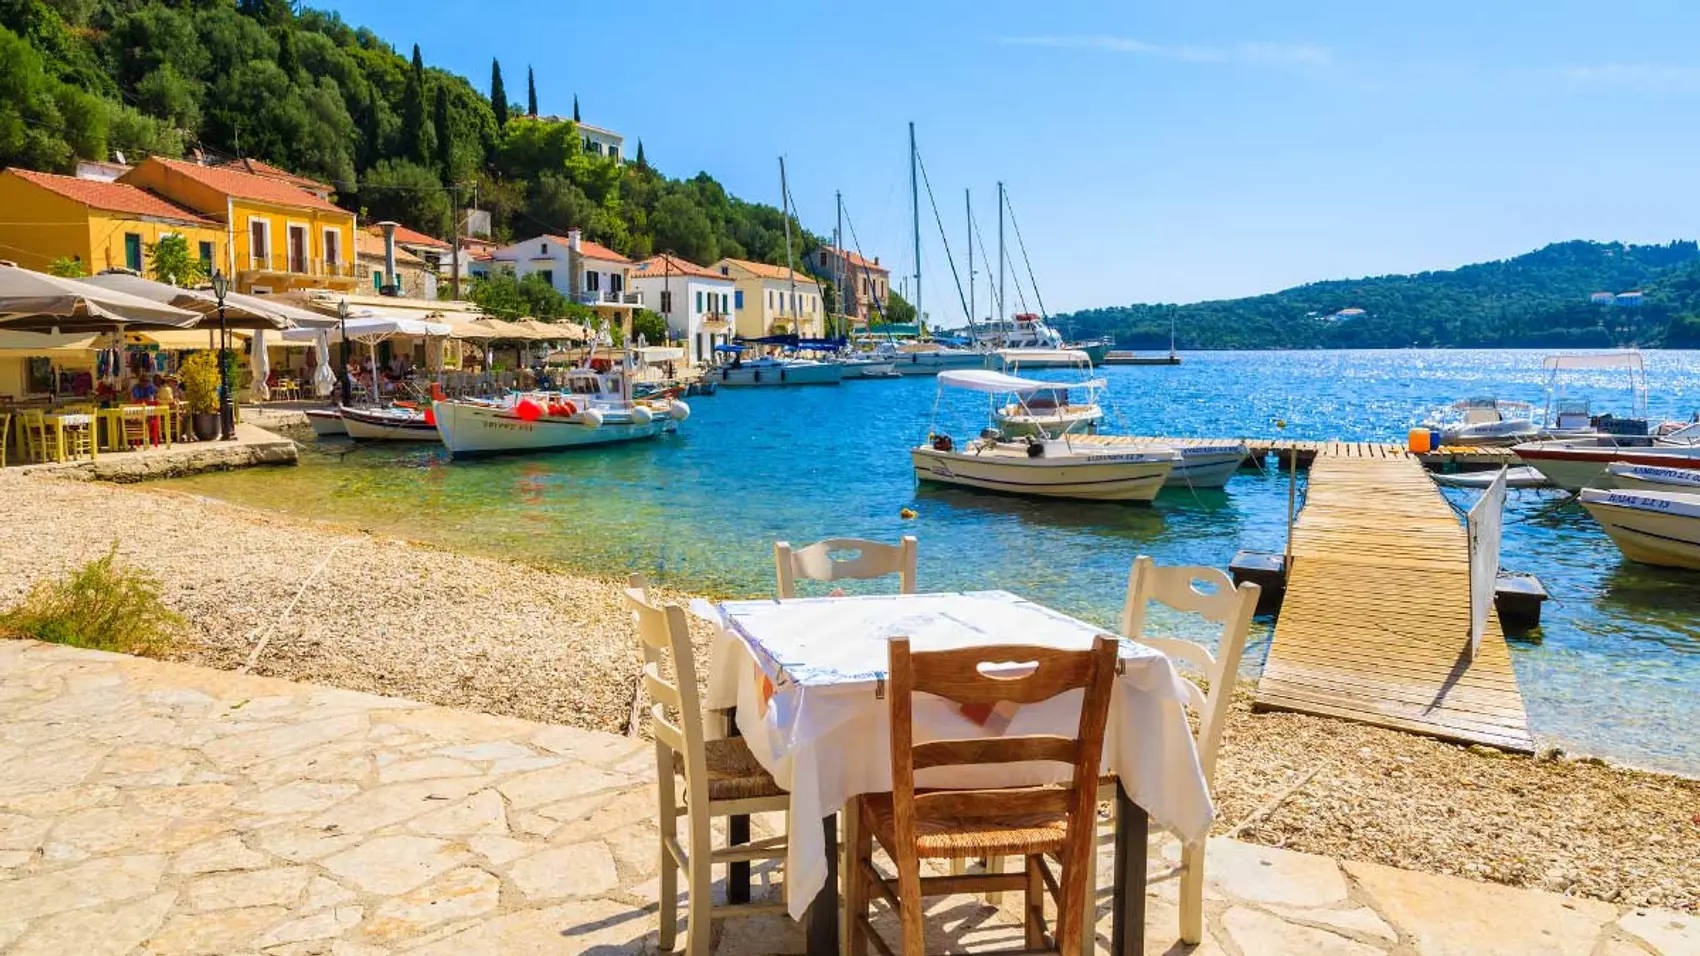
(871, 559)
(721, 778)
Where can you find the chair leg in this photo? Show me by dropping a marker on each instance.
(1033, 907)
(913, 910)
(1089, 911)
(1192, 894)
(995, 864)
(698, 928)
(858, 846)
(669, 893)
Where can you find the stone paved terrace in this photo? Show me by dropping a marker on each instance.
(150, 808)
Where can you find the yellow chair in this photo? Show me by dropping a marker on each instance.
(78, 441)
(5, 435)
(40, 440)
(133, 421)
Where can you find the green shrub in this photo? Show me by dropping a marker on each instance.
(199, 375)
(99, 606)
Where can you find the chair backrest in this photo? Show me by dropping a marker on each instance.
(872, 559)
(664, 634)
(1219, 602)
(989, 675)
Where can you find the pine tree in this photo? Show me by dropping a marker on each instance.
(530, 92)
(445, 139)
(416, 135)
(641, 164)
(498, 94)
(287, 59)
(575, 108)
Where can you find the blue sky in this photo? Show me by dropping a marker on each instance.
(1153, 152)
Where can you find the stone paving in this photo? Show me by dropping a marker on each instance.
(151, 808)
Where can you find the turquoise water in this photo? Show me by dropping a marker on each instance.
(1615, 670)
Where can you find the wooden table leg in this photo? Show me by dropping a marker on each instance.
(821, 927)
(1133, 830)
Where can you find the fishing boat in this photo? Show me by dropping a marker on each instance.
(1652, 527)
(395, 423)
(597, 409)
(1207, 466)
(1569, 416)
(1631, 477)
(1485, 422)
(1033, 466)
(1053, 411)
(1577, 463)
(326, 422)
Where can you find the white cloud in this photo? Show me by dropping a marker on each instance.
(1255, 54)
(1641, 77)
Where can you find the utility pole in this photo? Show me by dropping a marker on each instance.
(454, 243)
(968, 204)
(1002, 313)
(791, 271)
(915, 216)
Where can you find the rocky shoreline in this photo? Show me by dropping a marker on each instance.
(307, 601)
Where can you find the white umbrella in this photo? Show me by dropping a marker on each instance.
(261, 365)
(324, 380)
(35, 301)
(240, 311)
(371, 330)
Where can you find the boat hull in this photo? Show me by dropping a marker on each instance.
(1651, 528)
(1106, 477)
(1206, 467)
(326, 422)
(1653, 478)
(932, 363)
(470, 430)
(736, 377)
(879, 369)
(369, 426)
(1574, 468)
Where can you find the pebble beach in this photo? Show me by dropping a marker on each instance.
(288, 597)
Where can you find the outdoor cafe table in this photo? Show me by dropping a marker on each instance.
(807, 677)
(62, 421)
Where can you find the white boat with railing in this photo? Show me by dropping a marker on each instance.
(856, 365)
(1569, 416)
(928, 358)
(1652, 527)
(596, 409)
(1060, 409)
(1485, 422)
(1037, 467)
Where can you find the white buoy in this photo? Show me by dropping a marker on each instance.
(641, 415)
(590, 418)
(679, 410)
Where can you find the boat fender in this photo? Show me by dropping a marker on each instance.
(527, 410)
(1035, 450)
(642, 415)
(431, 416)
(568, 409)
(679, 410)
(590, 418)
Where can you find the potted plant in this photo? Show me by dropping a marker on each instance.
(199, 375)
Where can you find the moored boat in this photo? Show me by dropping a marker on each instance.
(1485, 422)
(1652, 527)
(1521, 477)
(866, 366)
(775, 371)
(396, 423)
(1577, 463)
(1631, 477)
(1207, 466)
(1052, 411)
(541, 422)
(326, 422)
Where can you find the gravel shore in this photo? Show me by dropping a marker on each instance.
(341, 606)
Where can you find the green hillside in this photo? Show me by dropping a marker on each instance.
(304, 90)
(1539, 299)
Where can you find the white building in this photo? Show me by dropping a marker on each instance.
(696, 302)
(602, 142)
(584, 271)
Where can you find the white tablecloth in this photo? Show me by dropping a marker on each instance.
(824, 731)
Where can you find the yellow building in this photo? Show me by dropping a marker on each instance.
(772, 300)
(100, 224)
(278, 237)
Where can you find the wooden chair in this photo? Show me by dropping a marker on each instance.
(5, 435)
(40, 440)
(133, 426)
(721, 778)
(1032, 822)
(872, 560)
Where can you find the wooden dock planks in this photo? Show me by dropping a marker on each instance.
(1261, 448)
(1375, 623)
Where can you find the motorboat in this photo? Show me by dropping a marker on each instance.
(775, 371)
(597, 409)
(395, 423)
(1652, 527)
(928, 358)
(1485, 421)
(1653, 477)
(1519, 477)
(326, 422)
(1061, 408)
(1036, 466)
(1577, 463)
(1207, 466)
(1569, 416)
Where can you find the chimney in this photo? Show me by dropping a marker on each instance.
(574, 239)
(876, 260)
(392, 283)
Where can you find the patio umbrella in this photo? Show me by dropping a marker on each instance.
(261, 364)
(35, 301)
(370, 330)
(324, 380)
(240, 311)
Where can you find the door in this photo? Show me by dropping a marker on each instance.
(298, 249)
(133, 251)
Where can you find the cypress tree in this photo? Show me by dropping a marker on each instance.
(415, 134)
(445, 140)
(530, 92)
(640, 161)
(287, 59)
(575, 108)
(498, 94)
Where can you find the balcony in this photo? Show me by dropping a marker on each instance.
(298, 266)
(622, 300)
(276, 273)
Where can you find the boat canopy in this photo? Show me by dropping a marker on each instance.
(1608, 360)
(983, 380)
(1040, 355)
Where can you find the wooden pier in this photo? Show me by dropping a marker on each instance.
(1447, 456)
(1375, 625)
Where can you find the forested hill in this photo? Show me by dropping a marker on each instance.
(1540, 299)
(304, 90)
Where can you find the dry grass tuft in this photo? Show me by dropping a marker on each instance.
(101, 606)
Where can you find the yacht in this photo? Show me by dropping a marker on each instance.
(928, 358)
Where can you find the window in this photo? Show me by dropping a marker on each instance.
(543, 249)
(207, 257)
(378, 279)
(548, 275)
(699, 300)
(616, 282)
(259, 242)
(723, 307)
(738, 297)
(297, 238)
(666, 301)
(593, 281)
(333, 250)
(133, 251)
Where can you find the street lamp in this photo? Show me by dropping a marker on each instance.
(226, 408)
(342, 368)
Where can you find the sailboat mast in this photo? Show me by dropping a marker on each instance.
(968, 206)
(791, 272)
(843, 265)
(915, 217)
(1003, 315)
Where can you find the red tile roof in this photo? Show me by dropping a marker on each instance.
(766, 271)
(409, 237)
(269, 171)
(368, 244)
(590, 250)
(241, 185)
(111, 197)
(855, 261)
(664, 265)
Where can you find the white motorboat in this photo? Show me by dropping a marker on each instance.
(1577, 463)
(776, 371)
(1653, 477)
(1038, 467)
(396, 423)
(1521, 477)
(927, 358)
(1652, 527)
(1207, 466)
(1567, 416)
(1052, 411)
(326, 422)
(598, 409)
(1485, 421)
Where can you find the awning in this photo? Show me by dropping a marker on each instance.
(183, 339)
(981, 380)
(41, 343)
(371, 329)
(1043, 355)
(37, 302)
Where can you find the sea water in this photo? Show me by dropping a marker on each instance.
(1614, 670)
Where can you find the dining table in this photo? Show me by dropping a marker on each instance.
(61, 422)
(804, 682)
